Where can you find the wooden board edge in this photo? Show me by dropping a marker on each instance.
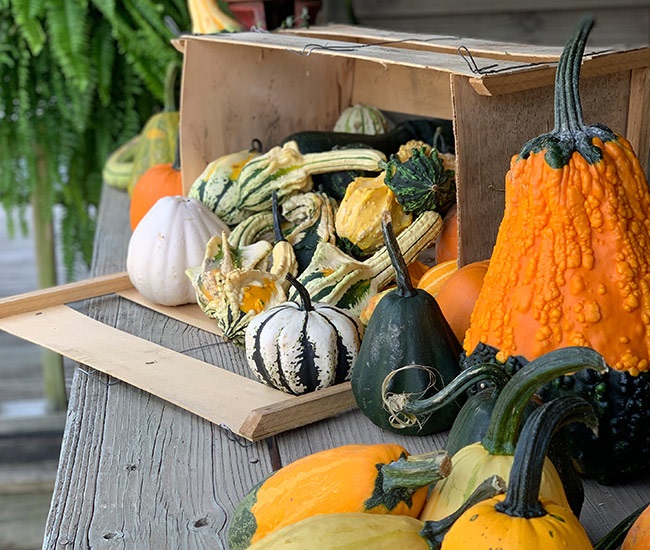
(305, 409)
(280, 411)
(64, 294)
(539, 75)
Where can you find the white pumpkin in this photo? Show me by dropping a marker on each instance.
(300, 348)
(169, 239)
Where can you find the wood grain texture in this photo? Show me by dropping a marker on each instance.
(485, 145)
(135, 471)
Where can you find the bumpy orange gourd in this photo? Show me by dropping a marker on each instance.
(570, 265)
(638, 537)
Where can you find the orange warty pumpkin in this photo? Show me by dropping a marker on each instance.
(161, 180)
(570, 265)
(458, 294)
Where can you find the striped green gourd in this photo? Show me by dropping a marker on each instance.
(362, 119)
(216, 186)
(286, 170)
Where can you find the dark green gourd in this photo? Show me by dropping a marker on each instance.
(406, 328)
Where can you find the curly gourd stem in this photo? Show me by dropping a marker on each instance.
(402, 278)
(568, 109)
(434, 531)
(522, 496)
(305, 298)
(401, 404)
(502, 432)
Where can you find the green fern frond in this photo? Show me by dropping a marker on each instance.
(103, 54)
(68, 32)
(28, 17)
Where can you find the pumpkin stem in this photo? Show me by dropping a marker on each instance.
(415, 471)
(434, 531)
(503, 430)
(522, 496)
(305, 298)
(405, 412)
(404, 285)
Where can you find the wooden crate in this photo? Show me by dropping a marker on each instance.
(258, 85)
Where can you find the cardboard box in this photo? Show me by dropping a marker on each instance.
(258, 85)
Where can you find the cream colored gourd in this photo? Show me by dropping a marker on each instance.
(168, 240)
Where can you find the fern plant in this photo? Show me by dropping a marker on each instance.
(77, 79)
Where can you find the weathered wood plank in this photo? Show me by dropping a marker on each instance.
(135, 469)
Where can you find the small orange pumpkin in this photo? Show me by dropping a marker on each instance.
(458, 294)
(161, 180)
(436, 276)
(447, 242)
(638, 537)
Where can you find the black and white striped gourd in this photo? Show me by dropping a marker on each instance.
(302, 347)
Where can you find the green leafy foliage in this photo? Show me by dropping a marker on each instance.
(79, 78)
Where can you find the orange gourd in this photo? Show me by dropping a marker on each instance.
(373, 479)
(458, 294)
(161, 180)
(447, 242)
(436, 276)
(570, 265)
(638, 537)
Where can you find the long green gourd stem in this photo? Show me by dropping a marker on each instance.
(522, 496)
(277, 229)
(568, 109)
(404, 285)
(465, 380)
(585, 28)
(501, 435)
(170, 87)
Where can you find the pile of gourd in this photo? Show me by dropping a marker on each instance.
(285, 248)
(537, 360)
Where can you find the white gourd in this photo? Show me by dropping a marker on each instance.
(302, 347)
(169, 239)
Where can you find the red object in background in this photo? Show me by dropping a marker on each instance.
(269, 14)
